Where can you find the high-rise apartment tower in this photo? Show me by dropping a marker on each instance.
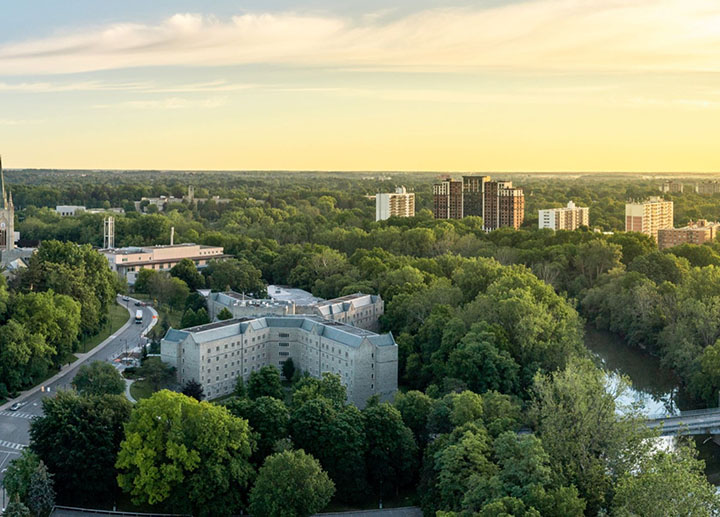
(649, 216)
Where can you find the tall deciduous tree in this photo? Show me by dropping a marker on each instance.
(265, 382)
(268, 417)
(186, 271)
(186, 455)
(290, 484)
(41, 494)
(19, 473)
(98, 378)
(78, 438)
(391, 456)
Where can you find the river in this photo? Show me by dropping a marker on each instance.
(653, 387)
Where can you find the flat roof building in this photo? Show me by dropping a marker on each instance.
(504, 205)
(649, 216)
(569, 218)
(448, 199)
(698, 232)
(401, 203)
(69, 210)
(127, 262)
(216, 354)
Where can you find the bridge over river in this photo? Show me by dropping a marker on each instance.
(697, 422)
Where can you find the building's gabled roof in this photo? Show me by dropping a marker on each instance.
(340, 332)
(345, 303)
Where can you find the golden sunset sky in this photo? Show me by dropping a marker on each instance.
(534, 85)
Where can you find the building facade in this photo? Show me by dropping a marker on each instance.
(673, 187)
(474, 195)
(401, 203)
(448, 199)
(359, 310)
(707, 188)
(216, 354)
(504, 205)
(698, 232)
(569, 218)
(7, 218)
(649, 216)
(69, 210)
(128, 262)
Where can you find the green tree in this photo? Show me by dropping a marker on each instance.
(77, 438)
(98, 378)
(288, 369)
(157, 373)
(55, 317)
(391, 456)
(193, 389)
(482, 361)
(201, 450)
(667, 483)
(335, 435)
(268, 418)
(597, 257)
(41, 495)
(168, 290)
(290, 484)
(19, 473)
(238, 275)
(224, 314)
(186, 271)
(265, 382)
(589, 444)
(329, 386)
(144, 279)
(16, 509)
(415, 408)
(23, 356)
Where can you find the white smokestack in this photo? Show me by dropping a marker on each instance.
(172, 236)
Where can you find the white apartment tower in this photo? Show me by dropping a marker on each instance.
(649, 216)
(569, 218)
(401, 203)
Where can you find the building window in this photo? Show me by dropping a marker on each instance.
(283, 344)
(282, 334)
(284, 354)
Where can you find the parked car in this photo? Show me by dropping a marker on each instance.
(125, 298)
(138, 304)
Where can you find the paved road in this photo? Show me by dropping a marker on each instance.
(15, 425)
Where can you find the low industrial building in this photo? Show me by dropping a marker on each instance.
(128, 262)
(216, 354)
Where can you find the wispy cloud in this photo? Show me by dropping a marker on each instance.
(105, 86)
(19, 122)
(558, 35)
(170, 103)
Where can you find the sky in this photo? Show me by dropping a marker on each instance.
(484, 85)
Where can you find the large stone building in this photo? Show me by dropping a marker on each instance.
(128, 262)
(649, 216)
(400, 203)
(216, 354)
(698, 232)
(7, 217)
(359, 310)
(569, 218)
(448, 199)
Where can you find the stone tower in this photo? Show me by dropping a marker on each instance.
(7, 217)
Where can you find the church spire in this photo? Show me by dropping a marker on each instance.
(2, 180)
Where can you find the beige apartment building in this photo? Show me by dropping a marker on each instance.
(569, 218)
(400, 203)
(673, 187)
(127, 262)
(649, 216)
(698, 232)
(216, 354)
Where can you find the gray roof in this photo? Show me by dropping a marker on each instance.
(340, 332)
(344, 303)
(292, 294)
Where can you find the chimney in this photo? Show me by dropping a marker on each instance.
(172, 236)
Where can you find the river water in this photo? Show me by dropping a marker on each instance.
(654, 388)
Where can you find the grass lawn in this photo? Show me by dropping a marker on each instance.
(141, 390)
(117, 317)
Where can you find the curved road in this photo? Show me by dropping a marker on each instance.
(15, 425)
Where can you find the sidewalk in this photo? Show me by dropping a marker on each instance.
(81, 359)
